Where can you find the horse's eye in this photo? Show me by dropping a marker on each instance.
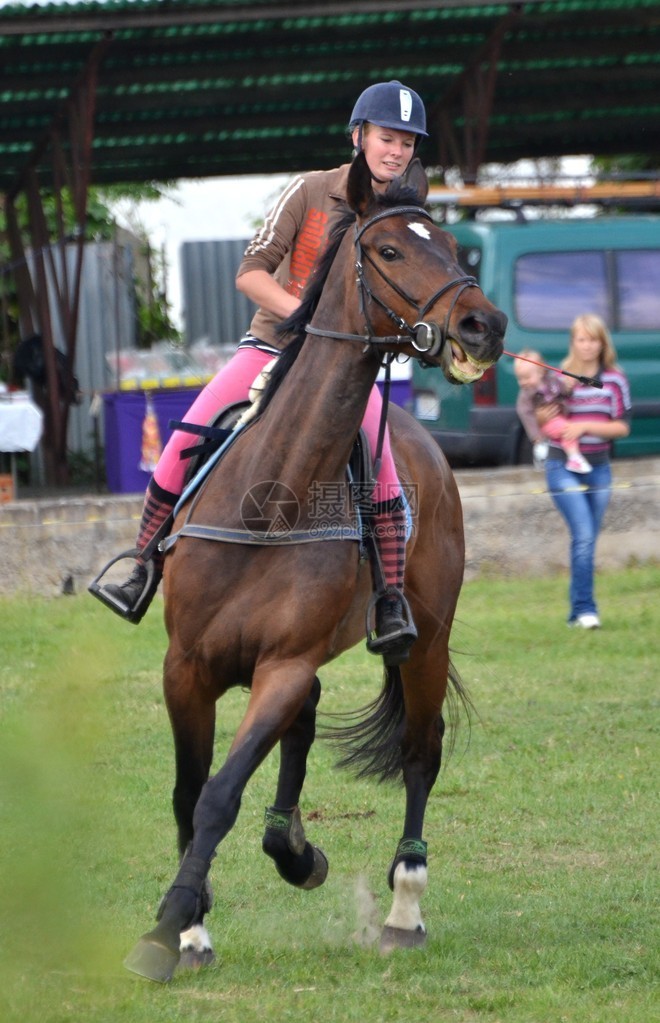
(388, 253)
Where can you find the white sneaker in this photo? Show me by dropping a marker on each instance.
(578, 463)
(588, 621)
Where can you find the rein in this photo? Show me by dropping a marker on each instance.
(428, 338)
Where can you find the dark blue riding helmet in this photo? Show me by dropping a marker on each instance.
(390, 105)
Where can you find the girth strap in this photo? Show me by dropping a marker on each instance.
(261, 539)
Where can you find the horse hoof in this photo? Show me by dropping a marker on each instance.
(152, 960)
(194, 959)
(319, 871)
(397, 937)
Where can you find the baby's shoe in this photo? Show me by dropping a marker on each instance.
(578, 463)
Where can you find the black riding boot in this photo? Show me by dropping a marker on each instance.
(131, 598)
(128, 594)
(394, 632)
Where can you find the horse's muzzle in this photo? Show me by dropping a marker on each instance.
(481, 333)
(476, 343)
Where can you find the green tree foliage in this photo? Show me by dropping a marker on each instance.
(626, 165)
(153, 314)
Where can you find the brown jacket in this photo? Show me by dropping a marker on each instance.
(293, 238)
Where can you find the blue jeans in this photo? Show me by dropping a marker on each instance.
(582, 500)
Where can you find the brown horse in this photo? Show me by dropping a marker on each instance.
(268, 617)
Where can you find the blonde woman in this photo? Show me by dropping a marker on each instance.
(596, 416)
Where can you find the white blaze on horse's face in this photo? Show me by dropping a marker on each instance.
(420, 229)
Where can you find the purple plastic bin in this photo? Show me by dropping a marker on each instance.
(124, 415)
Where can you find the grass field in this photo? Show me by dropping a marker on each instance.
(543, 830)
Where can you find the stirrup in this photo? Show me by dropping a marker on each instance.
(395, 646)
(131, 614)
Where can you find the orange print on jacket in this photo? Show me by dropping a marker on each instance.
(309, 246)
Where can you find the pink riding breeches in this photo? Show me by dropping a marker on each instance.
(231, 384)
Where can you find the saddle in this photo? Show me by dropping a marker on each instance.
(218, 436)
(213, 440)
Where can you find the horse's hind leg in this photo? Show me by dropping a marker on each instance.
(421, 750)
(296, 860)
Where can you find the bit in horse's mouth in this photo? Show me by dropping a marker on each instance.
(463, 367)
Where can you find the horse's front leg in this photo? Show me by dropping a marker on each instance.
(192, 716)
(296, 860)
(404, 927)
(191, 711)
(276, 699)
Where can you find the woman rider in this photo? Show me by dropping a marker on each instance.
(387, 123)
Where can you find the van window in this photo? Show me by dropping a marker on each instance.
(552, 288)
(638, 276)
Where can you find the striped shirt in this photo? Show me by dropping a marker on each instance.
(610, 403)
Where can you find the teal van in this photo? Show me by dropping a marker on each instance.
(542, 274)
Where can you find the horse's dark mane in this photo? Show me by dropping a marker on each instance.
(399, 193)
(295, 324)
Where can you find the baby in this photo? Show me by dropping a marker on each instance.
(538, 387)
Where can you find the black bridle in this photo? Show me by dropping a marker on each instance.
(428, 338)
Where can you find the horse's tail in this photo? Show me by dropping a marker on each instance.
(370, 743)
(457, 699)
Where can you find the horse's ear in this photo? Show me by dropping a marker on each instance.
(415, 177)
(359, 190)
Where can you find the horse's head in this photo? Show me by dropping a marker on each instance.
(409, 276)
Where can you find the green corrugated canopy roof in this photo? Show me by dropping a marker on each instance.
(198, 88)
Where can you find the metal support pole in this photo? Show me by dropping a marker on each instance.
(57, 291)
(473, 91)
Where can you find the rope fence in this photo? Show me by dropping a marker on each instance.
(469, 492)
(57, 545)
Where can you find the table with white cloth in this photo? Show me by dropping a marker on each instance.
(21, 425)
